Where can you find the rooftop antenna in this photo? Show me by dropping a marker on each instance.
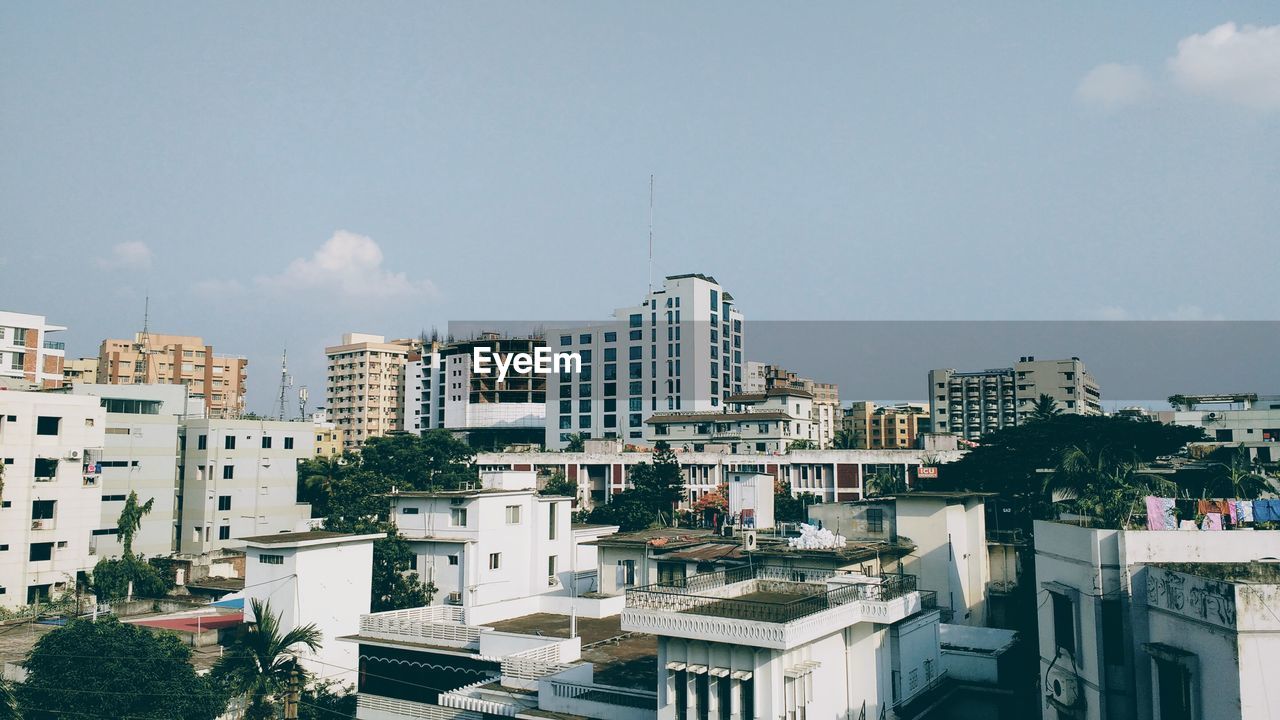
(286, 382)
(144, 341)
(303, 395)
(650, 232)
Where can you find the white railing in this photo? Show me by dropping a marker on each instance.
(435, 624)
(377, 707)
(533, 663)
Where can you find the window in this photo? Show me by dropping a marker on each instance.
(1064, 623)
(47, 425)
(551, 521)
(288, 443)
(458, 517)
(611, 337)
(626, 572)
(42, 509)
(566, 339)
(551, 567)
(495, 561)
(46, 468)
(224, 532)
(875, 520)
(513, 514)
(1112, 633)
(202, 442)
(40, 552)
(228, 472)
(266, 442)
(409, 511)
(453, 559)
(271, 559)
(1174, 691)
(224, 503)
(229, 442)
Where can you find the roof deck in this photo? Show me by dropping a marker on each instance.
(771, 607)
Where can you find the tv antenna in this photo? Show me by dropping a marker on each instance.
(286, 382)
(651, 232)
(303, 395)
(144, 341)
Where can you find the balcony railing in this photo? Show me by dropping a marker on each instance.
(54, 345)
(698, 595)
(605, 695)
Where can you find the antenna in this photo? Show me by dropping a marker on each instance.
(286, 382)
(144, 341)
(303, 394)
(651, 232)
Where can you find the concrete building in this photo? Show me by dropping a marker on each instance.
(885, 427)
(217, 380)
(50, 446)
(826, 397)
(1125, 634)
(679, 350)
(141, 453)
(949, 532)
(328, 438)
(80, 370)
(829, 475)
(314, 578)
(240, 479)
(500, 550)
(490, 413)
(364, 386)
(29, 358)
(971, 404)
(765, 422)
(1243, 418)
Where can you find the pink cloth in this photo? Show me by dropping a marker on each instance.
(1212, 521)
(1231, 511)
(1155, 513)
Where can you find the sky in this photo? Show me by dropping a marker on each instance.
(273, 175)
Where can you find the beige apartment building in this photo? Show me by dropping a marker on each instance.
(885, 427)
(217, 380)
(364, 384)
(80, 371)
(826, 397)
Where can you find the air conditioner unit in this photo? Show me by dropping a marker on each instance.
(1211, 416)
(37, 524)
(749, 541)
(454, 598)
(1061, 684)
(73, 455)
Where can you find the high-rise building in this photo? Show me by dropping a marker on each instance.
(679, 349)
(492, 413)
(885, 427)
(826, 397)
(218, 381)
(50, 445)
(971, 404)
(364, 386)
(28, 358)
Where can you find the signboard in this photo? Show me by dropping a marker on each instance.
(927, 471)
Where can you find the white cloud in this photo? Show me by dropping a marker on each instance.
(133, 255)
(350, 265)
(1238, 64)
(1112, 86)
(222, 288)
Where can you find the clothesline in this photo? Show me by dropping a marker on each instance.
(1217, 514)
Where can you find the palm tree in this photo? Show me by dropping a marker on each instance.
(886, 483)
(577, 441)
(8, 703)
(319, 476)
(130, 520)
(1045, 408)
(844, 439)
(261, 663)
(1103, 483)
(1238, 477)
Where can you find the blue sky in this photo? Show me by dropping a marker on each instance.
(275, 174)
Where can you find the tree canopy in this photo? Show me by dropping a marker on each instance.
(657, 488)
(112, 670)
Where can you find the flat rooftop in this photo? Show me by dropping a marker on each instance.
(621, 659)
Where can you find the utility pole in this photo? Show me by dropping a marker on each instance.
(292, 698)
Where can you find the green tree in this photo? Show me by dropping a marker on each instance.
(1045, 408)
(395, 585)
(261, 663)
(8, 702)
(626, 510)
(317, 478)
(326, 701)
(1228, 472)
(1182, 402)
(576, 442)
(886, 482)
(560, 485)
(789, 507)
(659, 485)
(111, 578)
(845, 439)
(111, 671)
(435, 460)
(130, 520)
(1104, 483)
(802, 444)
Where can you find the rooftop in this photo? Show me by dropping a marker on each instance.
(621, 659)
(309, 536)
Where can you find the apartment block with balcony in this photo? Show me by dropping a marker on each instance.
(80, 371)
(885, 427)
(29, 358)
(50, 445)
(971, 404)
(218, 381)
(679, 350)
(764, 422)
(240, 479)
(826, 397)
(491, 414)
(364, 386)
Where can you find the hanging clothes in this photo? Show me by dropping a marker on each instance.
(1156, 519)
(1188, 525)
(1264, 511)
(1212, 521)
(1231, 512)
(1244, 511)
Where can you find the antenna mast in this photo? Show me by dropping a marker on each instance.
(144, 341)
(303, 395)
(650, 232)
(286, 382)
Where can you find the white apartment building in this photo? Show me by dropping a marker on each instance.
(450, 396)
(495, 550)
(28, 357)
(314, 578)
(680, 349)
(766, 422)
(49, 445)
(141, 453)
(971, 404)
(364, 386)
(1244, 418)
(240, 479)
(1123, 634)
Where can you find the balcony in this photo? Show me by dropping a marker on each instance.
(768, 607)
(377, 707)
(54, 345)
(431, 625)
